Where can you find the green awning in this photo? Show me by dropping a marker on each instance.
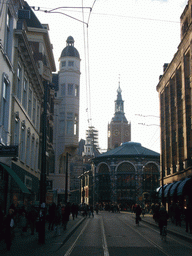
(22, 186)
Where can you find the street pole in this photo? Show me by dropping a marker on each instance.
(162, 182)
(66, 178)
(43, 170)
(83, 187)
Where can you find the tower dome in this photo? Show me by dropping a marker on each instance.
(70, 50)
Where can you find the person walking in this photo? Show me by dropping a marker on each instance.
(73, 210)
(52, 212)
(9, 229)
(188, 219)
(162, 218)
(92, 210)
(65, 215)
(138, 213)
(1, 223)
(32, 217)
(58, 220)
(23, 223)
(178, 215)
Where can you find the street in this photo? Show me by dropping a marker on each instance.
(114, 234)
(117, 234)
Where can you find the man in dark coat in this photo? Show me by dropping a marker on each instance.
(188, 218)
(65, 215)
(138, 213)
(52, 213)
(32, 216)
(162, 218)
(9, 225)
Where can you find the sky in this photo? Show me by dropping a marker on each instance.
(126, 41)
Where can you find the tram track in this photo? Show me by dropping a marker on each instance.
(170, 236)
(147, 239)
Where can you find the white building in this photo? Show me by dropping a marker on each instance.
(66, 113)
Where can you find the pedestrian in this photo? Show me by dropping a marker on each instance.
(73, 210)
(162, 218)
(32, 217)
(92, 210)
(138, 213)
(52, 212)
(65, 215)
(76, 210)
(23, 223)
(178, 215)
(1, 224)
(58, 220)
(97, 208)
(188, 219)
(9, 229)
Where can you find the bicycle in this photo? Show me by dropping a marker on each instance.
(164, 233)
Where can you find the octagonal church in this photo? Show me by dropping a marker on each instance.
(126, 175)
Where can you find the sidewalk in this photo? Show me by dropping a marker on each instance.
(171, 227)
(27, 245)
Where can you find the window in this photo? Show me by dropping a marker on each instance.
(25, 82)
(70, 63)
(22, 144)
(76, 125)
(62, 89)
(28, 146)
(9, 34)
(70, 89)
(5, 103)
(38, 121)
(28, 182)
(63, 63)
(19, 77)
(76, 91)
(62, 127)
(16, 132)
(33, 152)
(34, 110)
(69, 123)
(30, 102)
(37, 155)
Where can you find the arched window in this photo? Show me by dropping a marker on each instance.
(126, 176)
(104, 184)
(150, 177)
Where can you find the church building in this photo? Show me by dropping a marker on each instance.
(119, 129)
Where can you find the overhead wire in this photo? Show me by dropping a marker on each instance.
(87, 65)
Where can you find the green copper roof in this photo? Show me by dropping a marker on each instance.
(130, 149)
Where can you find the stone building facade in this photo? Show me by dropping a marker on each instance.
(175, 97)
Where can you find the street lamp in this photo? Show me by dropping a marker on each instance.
(43, 168)
(66, 178)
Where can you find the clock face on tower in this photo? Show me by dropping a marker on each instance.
(116, 133)
(126, 133)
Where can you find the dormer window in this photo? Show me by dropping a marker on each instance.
(70, 63)
(63, 63)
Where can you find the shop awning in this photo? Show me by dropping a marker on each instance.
(160, 190)
(174, 188)
(183, 185)
(22, 186)
(167, 189)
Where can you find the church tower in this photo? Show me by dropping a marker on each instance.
(119, 130)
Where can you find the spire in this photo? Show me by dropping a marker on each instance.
(119, 88)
